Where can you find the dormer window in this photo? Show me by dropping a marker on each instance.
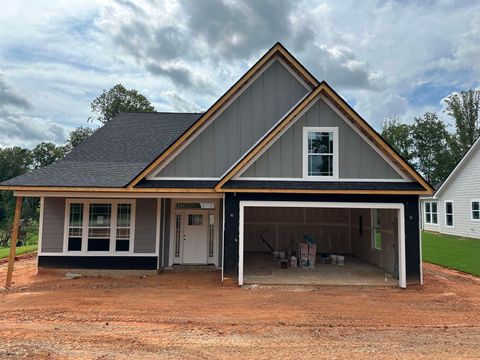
(320, 146)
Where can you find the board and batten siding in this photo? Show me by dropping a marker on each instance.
(239, 126)
(463, 188)
(53, 225)
(357, 159)
(54, 218)
(145, 226)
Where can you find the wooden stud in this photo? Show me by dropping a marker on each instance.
(13, 241)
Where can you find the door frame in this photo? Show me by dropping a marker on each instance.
(402, 272)
(211, 260)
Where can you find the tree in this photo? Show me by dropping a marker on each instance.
(117, 99)
(431, 144)
(399, 136)
(78, 136)
(46, 153)
(465, 109)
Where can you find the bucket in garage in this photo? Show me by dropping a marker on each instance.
(340, 260)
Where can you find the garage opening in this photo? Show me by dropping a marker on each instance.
(322, 244)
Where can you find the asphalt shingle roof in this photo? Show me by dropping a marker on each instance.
(115, 153)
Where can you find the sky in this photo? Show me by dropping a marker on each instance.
(386, 58)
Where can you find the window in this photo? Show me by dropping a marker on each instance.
(99, 226)
(475, 204)
(320, 152)
(195, 205)
(431, 214)
(124, 219)
(75, 227)
(449, 213)
(195, 219)
(377, 229)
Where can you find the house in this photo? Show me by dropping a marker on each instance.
(455, 207)
(279, 158)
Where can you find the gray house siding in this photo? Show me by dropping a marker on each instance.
(145, 226)
(240, 125)
(54, 218)
(53, 224)
(357, 159)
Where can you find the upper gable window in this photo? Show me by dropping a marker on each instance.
(320, 148)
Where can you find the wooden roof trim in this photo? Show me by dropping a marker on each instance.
(269, 137)
(350, 113)
(107, 190)
(368, 130)
(277, 49)
(312, 191)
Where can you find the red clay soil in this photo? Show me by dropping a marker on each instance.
(191, 316)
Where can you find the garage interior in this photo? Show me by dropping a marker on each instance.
(367, 238)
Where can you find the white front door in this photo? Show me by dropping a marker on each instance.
(195, 250)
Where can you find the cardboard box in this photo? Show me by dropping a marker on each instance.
(303, 248)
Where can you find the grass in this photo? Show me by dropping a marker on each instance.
(31, 241)
(4, 252)
(452, 252)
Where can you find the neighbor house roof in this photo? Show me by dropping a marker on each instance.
(115, 154)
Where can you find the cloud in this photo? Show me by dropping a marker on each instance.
(386, 58)
(10, 97)
(27, 131)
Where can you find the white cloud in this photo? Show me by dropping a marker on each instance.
(387, 58)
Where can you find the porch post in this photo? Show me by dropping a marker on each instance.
(13, 241)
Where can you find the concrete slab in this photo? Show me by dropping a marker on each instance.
(262, 268)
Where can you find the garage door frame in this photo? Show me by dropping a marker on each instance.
(402, 278)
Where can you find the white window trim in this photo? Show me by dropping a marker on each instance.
(113, 226)
(453, 213)
(431, 212)
(471, 209)
(333, 130)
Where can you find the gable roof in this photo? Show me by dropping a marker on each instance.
(277, 50)
(295, 113)
(460, 166)
(114, 154)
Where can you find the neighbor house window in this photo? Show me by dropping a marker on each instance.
(475, 209)
(100, 226)
(449, 213)
(377, 229)
(431, 214)
(320, 152)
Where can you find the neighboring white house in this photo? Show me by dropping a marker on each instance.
(455, 207)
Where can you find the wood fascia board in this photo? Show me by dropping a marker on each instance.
(106, 190)
(277, 49)
(269, 137)
(350, 113)
(327, 191)
(374, 136)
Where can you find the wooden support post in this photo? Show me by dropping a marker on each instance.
(13, 241)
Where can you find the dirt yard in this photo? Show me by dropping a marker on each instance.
(191, 316)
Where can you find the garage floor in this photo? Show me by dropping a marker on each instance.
(261, 268)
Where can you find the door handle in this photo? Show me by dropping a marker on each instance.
(184, 237)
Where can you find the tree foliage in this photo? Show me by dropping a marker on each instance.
(464, 107)
(118, 99)
(431, 144)
(399, 136)
(78, 136)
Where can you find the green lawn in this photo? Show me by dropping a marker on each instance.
(452, 251)
(4, 252)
